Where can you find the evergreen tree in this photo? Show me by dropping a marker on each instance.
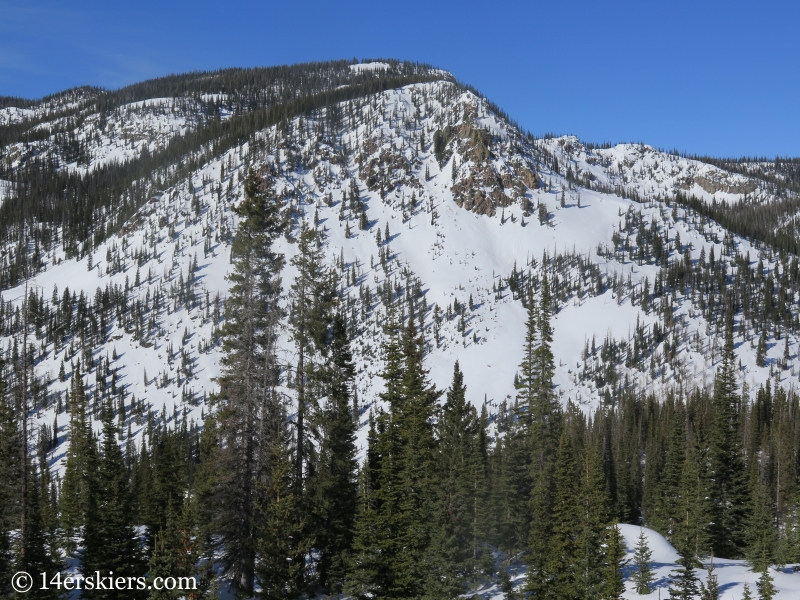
(592, 578)
(762, 536)
(543, 421)
(453, 547)
(403, 484)
(766, 586)
(176, 553)
(281, 538)
(81, 464)
(312, 296)
(613, 583)
(727, 461)
(710, 590)
(684, 585)
(747, 594)
(563, 555)
(692, 508)
(110, 541)
(367, 572)
(643, 575)
(10, 485)
(335, 485)
(33, 553)
(249, 412)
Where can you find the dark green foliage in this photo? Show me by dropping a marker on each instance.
(249, 408)
(110, 540)
(460, 480)
(613, 585)
(729, 489)
(281, 539)
(766, 587)
(81, 464)
(710, 590)
(762, 537)
(643, 575)
(402, 487)
(566, 520)
(684, 584)
(176, 553)
(334, 487)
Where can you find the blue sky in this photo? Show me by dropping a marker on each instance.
(720, 78)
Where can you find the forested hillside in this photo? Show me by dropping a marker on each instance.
(344, 328)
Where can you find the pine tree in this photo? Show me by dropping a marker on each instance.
(334, 484)
(543, 423)
(312, 295)
(453, 546)
(613, 585)
(81, 464)
(249, 412)
(766, 586)
(684, 585)
(366, 572)
(592, 579)
(747, 594)
(176, 553)
(402, 487)
(281, 537)
(762, 536)
(710, 590)
(110, 541)
(417, 463)
(727, 461)
(563, 554)
(643, 575)
(10, 485)
(37, 556)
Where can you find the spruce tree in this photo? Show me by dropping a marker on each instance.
(592, 578)
(81, 464)
(402, 487)
(417, 463)
(366, 573)
(710, 589)
(110, 540)
(543, 421)
(566, 518)
(176, 553)
(766, 586)
(334, 484)
(643, 575)
(312, 295)
(248, 407)
(37, 556)
(281, 535)
(10, 485)
(762, 536)
(613, 584)
(453, 547)
(727, 461)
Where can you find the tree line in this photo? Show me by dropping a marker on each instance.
(272, 492)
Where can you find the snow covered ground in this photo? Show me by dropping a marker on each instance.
(732, 575)
(455, 253)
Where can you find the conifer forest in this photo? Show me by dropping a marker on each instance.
(345, 330)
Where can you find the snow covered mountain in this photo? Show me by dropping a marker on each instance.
(424, 189)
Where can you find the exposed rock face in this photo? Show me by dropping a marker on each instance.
(489, 184)
(724, 184)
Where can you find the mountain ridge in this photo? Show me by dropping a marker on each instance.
(476, 212)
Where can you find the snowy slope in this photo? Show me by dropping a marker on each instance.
(731, 574)
(460, 238)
